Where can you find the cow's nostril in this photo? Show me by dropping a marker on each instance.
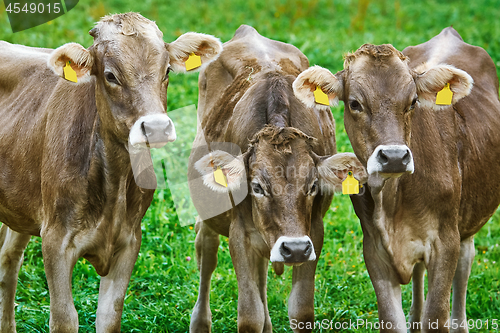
(145, 130)
(308, 249)
(406, 158)
(382, 157)
(285, 251)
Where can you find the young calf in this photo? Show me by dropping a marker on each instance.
(425, 125)
(65, 171)
(288, 165)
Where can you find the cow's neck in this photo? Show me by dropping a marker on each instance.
(387, 215)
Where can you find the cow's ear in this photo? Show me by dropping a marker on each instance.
(308, 81)
(333, 171)
(207, 47)
(434, 79)
(76, 56)
(221, 171)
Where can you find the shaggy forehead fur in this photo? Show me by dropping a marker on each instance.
(377, 52)
(280, 137)
(128, 24)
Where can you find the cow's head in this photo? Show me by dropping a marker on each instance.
(130, 63)
(284, 177)
(380, 93)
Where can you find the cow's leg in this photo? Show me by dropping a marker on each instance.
(263, 264)
(12, 245)
(251, 313)
(441, 269)
(462, 273)
(387, 288)
(59, 259)
(206, 243)
(301, 300)
(418, 299)
(113, 286)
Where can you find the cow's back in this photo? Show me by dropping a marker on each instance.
(476, 139)
(235, 91)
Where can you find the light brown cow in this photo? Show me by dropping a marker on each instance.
(434, 176)
(65, 172)
(246, 99)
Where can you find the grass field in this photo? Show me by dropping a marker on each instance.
(163, 288)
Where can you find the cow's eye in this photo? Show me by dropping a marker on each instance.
(413, 103)
(354, 105)
(169, 69)
(314, 189)
(257, 189)
(111, 78)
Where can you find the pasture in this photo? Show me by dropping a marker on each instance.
(164, 284)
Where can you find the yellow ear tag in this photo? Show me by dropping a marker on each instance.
(350, 185)
(320, 97)
(444, 96)
(220, 177)
(194, 61)
(69, 73)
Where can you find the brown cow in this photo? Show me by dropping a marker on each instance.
(433, 169)
(246, 99)
(65, 171)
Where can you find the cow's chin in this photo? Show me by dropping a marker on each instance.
(279, 267)
(376, 180)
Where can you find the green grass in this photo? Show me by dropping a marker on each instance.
(164, 284)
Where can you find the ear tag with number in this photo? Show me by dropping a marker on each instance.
(194, 61)
(320, 97)
(69, 73)
(220, 177)
(444, 96)
(350, 185)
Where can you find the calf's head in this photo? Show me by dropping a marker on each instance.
(285, 178)
(381, 94)
(130, 63)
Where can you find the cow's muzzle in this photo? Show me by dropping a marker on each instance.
(154, 130)
(390, 159)
(293, 250)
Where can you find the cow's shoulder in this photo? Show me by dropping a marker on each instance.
(449, 48)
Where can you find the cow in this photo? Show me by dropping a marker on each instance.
(433, 172)
(288, 164)
(65, 170)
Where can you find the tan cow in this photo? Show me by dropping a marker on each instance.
(288, 165)
(434, 176)
(65, 172)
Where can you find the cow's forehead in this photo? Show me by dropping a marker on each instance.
(283, 160)
(120, 27)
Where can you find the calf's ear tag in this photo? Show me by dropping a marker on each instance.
(69, 73)
(350, 185)
(444, 96)
(320, 97)
(194, 61)
(220, 177)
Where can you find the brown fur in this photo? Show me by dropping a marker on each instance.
(377, 52)
(65, 170)
(425, 220)
(248, 101)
